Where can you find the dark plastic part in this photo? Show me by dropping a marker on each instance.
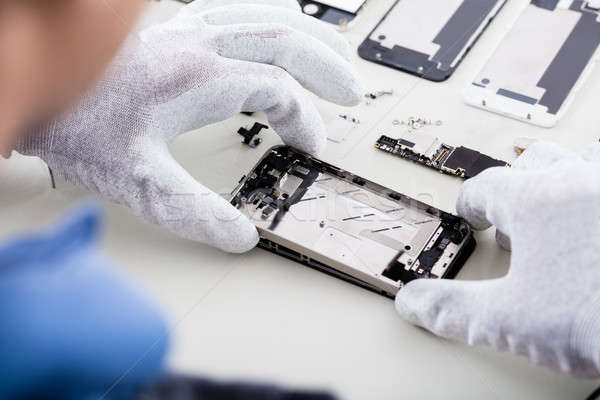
(250, 134)
(549, 5)
(516, 96)
(182, 387)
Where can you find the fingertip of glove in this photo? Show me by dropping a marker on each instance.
(465, 208)
(345, 86)
(354, 92)
(405, 302)
(542, 154)
(310, 138)
(240, 238)
(462, 202)
(318, 146)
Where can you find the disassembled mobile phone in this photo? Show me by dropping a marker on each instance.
(324, 217)
(428, 38)
(341, 13)
(541, 62)
(431, 152)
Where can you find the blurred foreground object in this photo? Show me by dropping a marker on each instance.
(72, 325)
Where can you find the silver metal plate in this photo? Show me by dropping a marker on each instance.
(320, 215)
(351, 6)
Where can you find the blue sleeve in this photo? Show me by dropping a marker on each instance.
(73, 327)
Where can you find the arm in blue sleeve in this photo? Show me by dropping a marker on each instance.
(73, 327)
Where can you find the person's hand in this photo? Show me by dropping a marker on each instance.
(547, 209)
(72, 325)
(214, 60)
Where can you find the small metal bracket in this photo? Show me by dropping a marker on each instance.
(249, 134)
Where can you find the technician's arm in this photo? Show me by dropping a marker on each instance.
(548, 306)
(215, 59)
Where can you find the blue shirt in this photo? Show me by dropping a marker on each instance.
(73, 326)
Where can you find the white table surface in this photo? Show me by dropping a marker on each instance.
(257, 316)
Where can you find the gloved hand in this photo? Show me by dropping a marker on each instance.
(547, 209)
(212, 61)
(72, 326)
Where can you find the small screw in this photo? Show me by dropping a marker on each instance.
(322, 224)
(483, 103)
(420, 70)
(375, 95)
(378, 56)
(352, 119)
(385, 92)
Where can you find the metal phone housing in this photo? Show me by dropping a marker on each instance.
(340, 223)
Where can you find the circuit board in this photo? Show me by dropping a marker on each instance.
(431, 152)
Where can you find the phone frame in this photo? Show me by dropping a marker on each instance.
(308, 257)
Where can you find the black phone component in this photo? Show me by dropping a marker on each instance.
(428, 38)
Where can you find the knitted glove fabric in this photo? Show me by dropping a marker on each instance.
(547, 210)
(215, 59)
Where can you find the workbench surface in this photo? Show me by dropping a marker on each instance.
(261, 317)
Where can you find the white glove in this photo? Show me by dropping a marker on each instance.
(548, 306)
(212, 61)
